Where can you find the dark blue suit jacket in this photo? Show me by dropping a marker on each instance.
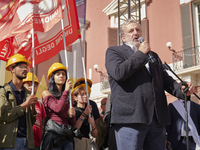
(174, 130)
(135, 94)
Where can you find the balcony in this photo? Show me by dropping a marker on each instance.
(186, 59)
(104, 83)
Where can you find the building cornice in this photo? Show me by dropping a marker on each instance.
(112, 8)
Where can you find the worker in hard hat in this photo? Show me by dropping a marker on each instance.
(83, 119)
(38, 127)
(17, 108)
(59, 113)
(81, 83)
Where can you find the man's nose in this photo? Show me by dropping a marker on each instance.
(135, 32)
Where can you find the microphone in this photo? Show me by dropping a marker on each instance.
(151, 59)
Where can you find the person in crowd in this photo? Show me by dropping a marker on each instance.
(61, 118)
(82, 115)
(110, 128)
(17, 108)
(95, 109)
(176, 131)
(38, 127)
(102, 138)
(139, 110)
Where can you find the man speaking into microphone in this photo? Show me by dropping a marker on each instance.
(139, 111)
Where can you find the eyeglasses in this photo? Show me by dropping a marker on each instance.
(22, 66)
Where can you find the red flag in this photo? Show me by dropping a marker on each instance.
(48, 44)
(25, 15)
(7, 49)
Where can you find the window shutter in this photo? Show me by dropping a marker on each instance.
(187, 35)
(112, 36)
(145, 29)
(186, 26)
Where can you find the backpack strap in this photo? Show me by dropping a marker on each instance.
(7, 92)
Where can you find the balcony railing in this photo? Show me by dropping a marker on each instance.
(186, 58)
(104, 83)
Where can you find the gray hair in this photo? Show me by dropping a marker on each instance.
(126, 23)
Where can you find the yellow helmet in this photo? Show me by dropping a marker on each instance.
(55, 67)
(29, 78)
(16, 58)
(82, 81)
(81, 85)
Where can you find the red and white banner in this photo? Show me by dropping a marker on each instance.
(7, 49)
(50, 42)
(25, 15)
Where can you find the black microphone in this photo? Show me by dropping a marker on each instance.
(151, 59)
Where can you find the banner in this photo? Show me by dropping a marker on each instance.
(7, 49)
(48, 37)
(25, 15)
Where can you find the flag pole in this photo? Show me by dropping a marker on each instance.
(85, 76)
(33, 61)
(83, 62)
(66, 59)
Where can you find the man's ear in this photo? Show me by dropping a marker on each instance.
(11, 69)
(123, 38)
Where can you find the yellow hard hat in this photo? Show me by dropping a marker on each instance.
(81, 85)
(16, 58)
(82, 81)
(29, 78)
(55, 67)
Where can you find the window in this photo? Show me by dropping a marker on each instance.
(196, 26)
(196, 22)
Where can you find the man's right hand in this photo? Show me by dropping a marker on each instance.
(144, 47)
(31, 100)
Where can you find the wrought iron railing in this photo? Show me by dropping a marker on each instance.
(186, 58)
(104, 83)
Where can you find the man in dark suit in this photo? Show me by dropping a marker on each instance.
(139, 111)
(176, 130)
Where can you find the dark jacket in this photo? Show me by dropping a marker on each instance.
(55, 135)
(136, 94)
(174, 130)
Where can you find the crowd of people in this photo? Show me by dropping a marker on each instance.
(135, 116)
(27, 122)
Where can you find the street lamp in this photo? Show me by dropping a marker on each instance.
(96, 67)
(169, 45)
(175, 55)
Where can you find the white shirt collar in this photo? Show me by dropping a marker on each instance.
(133, 47)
